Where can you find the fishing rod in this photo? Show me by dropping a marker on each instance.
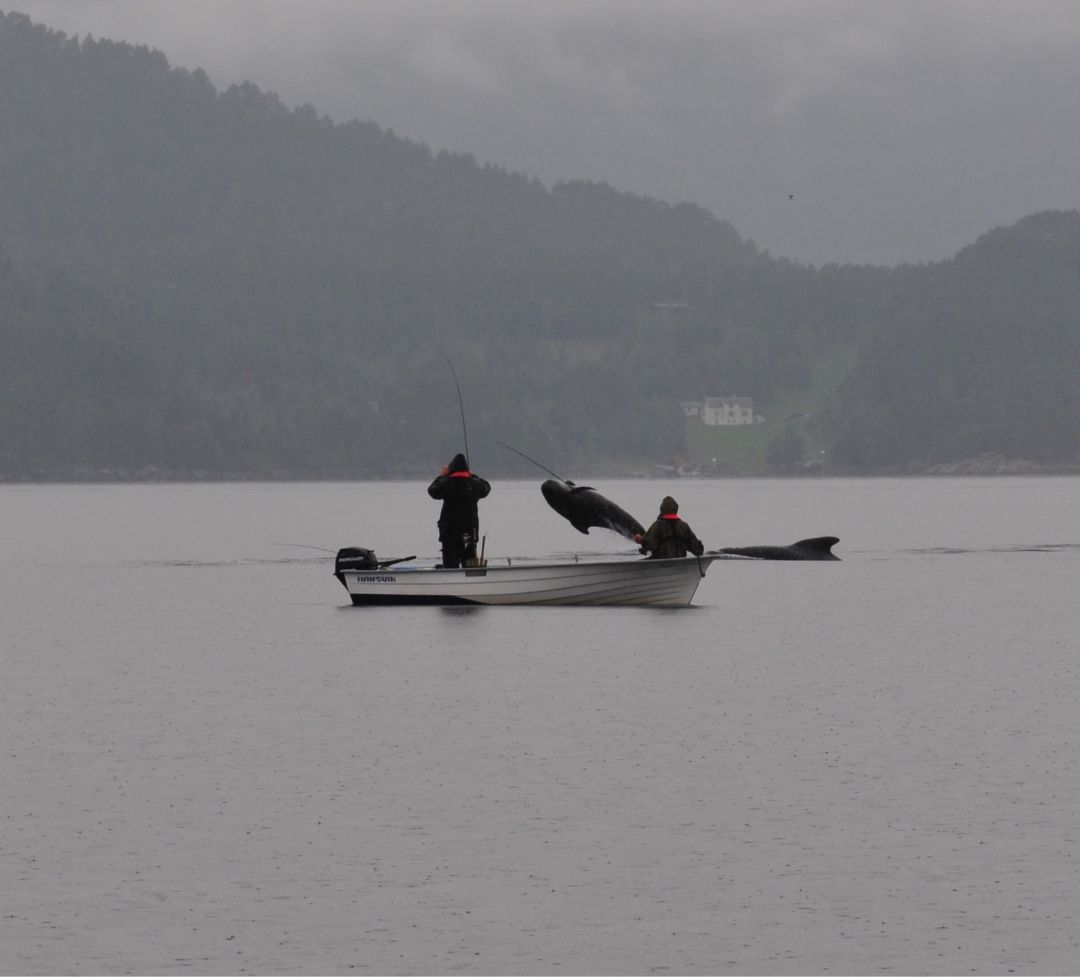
(461, 407)
(535, 462)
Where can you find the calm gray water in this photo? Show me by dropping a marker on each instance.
(213, 764)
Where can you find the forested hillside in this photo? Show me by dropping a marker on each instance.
(194, 281)
(977, 355)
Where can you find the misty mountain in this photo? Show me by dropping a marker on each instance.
(973, 356)
(212, 282)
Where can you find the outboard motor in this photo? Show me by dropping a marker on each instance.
(354, 558)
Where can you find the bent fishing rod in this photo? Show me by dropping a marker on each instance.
(510, 447)
(461, 407)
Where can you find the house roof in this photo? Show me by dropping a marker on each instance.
(747, 402)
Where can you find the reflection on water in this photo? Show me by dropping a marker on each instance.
(459, 610)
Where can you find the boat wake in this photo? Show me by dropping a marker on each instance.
(241, 562)
(1014, 548)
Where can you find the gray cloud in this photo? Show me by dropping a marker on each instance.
(905, 129)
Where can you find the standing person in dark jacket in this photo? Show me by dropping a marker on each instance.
(459, 522)
(669, 537)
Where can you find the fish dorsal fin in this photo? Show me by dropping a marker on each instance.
(820, 545)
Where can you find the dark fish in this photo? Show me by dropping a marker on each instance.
(818, 548)
(584, 507)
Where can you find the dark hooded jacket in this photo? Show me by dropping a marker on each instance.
(669, 537)
(460, 490)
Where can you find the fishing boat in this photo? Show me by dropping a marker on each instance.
(626, 581)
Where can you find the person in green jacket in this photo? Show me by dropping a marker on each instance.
(669, 537)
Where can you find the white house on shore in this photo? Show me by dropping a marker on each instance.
(717, 411)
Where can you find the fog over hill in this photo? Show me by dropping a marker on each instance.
(904, 130)
(204, 281)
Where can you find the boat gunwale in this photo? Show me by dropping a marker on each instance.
(529, 564)
(607, 582)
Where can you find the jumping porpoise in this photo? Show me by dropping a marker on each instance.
(584, 507)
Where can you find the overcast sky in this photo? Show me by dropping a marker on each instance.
(904, 129)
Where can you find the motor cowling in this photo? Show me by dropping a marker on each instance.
(355, 558)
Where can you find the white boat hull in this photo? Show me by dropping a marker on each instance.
(633, 582)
